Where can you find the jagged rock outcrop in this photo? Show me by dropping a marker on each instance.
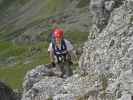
(43, 83)
(101, 11)
(6, 93)
(108, 54)
(40, 72)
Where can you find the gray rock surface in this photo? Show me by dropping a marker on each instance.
(64, 97)
(41, 84)
(109, 54)
(37, 74)
(44, 89)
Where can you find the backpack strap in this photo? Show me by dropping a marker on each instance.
(60, 53)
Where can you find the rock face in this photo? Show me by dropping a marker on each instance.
(43, 83)
(6, 93)
(106, 65)
(109, 54)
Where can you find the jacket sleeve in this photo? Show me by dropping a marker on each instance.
(69, 45)
(50, 47)
(51, 53)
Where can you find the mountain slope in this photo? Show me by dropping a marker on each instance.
(25, 29)
(32, 16)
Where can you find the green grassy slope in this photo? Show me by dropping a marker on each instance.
(25, 59)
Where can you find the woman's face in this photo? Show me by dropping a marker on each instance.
(58, 40)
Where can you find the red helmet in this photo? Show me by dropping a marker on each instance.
(58, 33)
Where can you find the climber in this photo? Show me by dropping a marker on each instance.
(60, 50)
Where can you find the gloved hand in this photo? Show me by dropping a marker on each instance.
(53, 64)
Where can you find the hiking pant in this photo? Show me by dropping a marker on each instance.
(65, 69)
